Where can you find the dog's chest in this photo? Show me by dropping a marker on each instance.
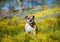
(29, 28)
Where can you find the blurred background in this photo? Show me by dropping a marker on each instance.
(12, 20)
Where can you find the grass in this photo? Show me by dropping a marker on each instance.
(12, 30)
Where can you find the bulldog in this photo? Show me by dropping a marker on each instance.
(30, 26)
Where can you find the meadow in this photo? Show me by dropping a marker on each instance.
(48, 23)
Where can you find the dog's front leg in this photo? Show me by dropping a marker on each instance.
(36, 29)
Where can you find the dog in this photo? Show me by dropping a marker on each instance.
(31, 26)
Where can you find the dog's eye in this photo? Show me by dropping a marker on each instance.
(32, 19)
(28, 18)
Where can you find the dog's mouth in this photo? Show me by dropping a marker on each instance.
(30, 22)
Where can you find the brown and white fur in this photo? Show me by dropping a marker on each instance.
(31, 26)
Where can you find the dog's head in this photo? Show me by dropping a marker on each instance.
(30, 20)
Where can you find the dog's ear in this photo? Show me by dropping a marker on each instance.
(26, 17)
(33, 17)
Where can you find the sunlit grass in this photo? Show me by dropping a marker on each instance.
(46, 12)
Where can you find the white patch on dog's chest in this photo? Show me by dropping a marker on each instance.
(29, 28)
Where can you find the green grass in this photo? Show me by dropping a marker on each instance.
(48, 32)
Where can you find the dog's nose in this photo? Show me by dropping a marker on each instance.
(30, 21)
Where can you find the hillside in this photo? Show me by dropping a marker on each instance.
(12, 29)
(47, 12)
